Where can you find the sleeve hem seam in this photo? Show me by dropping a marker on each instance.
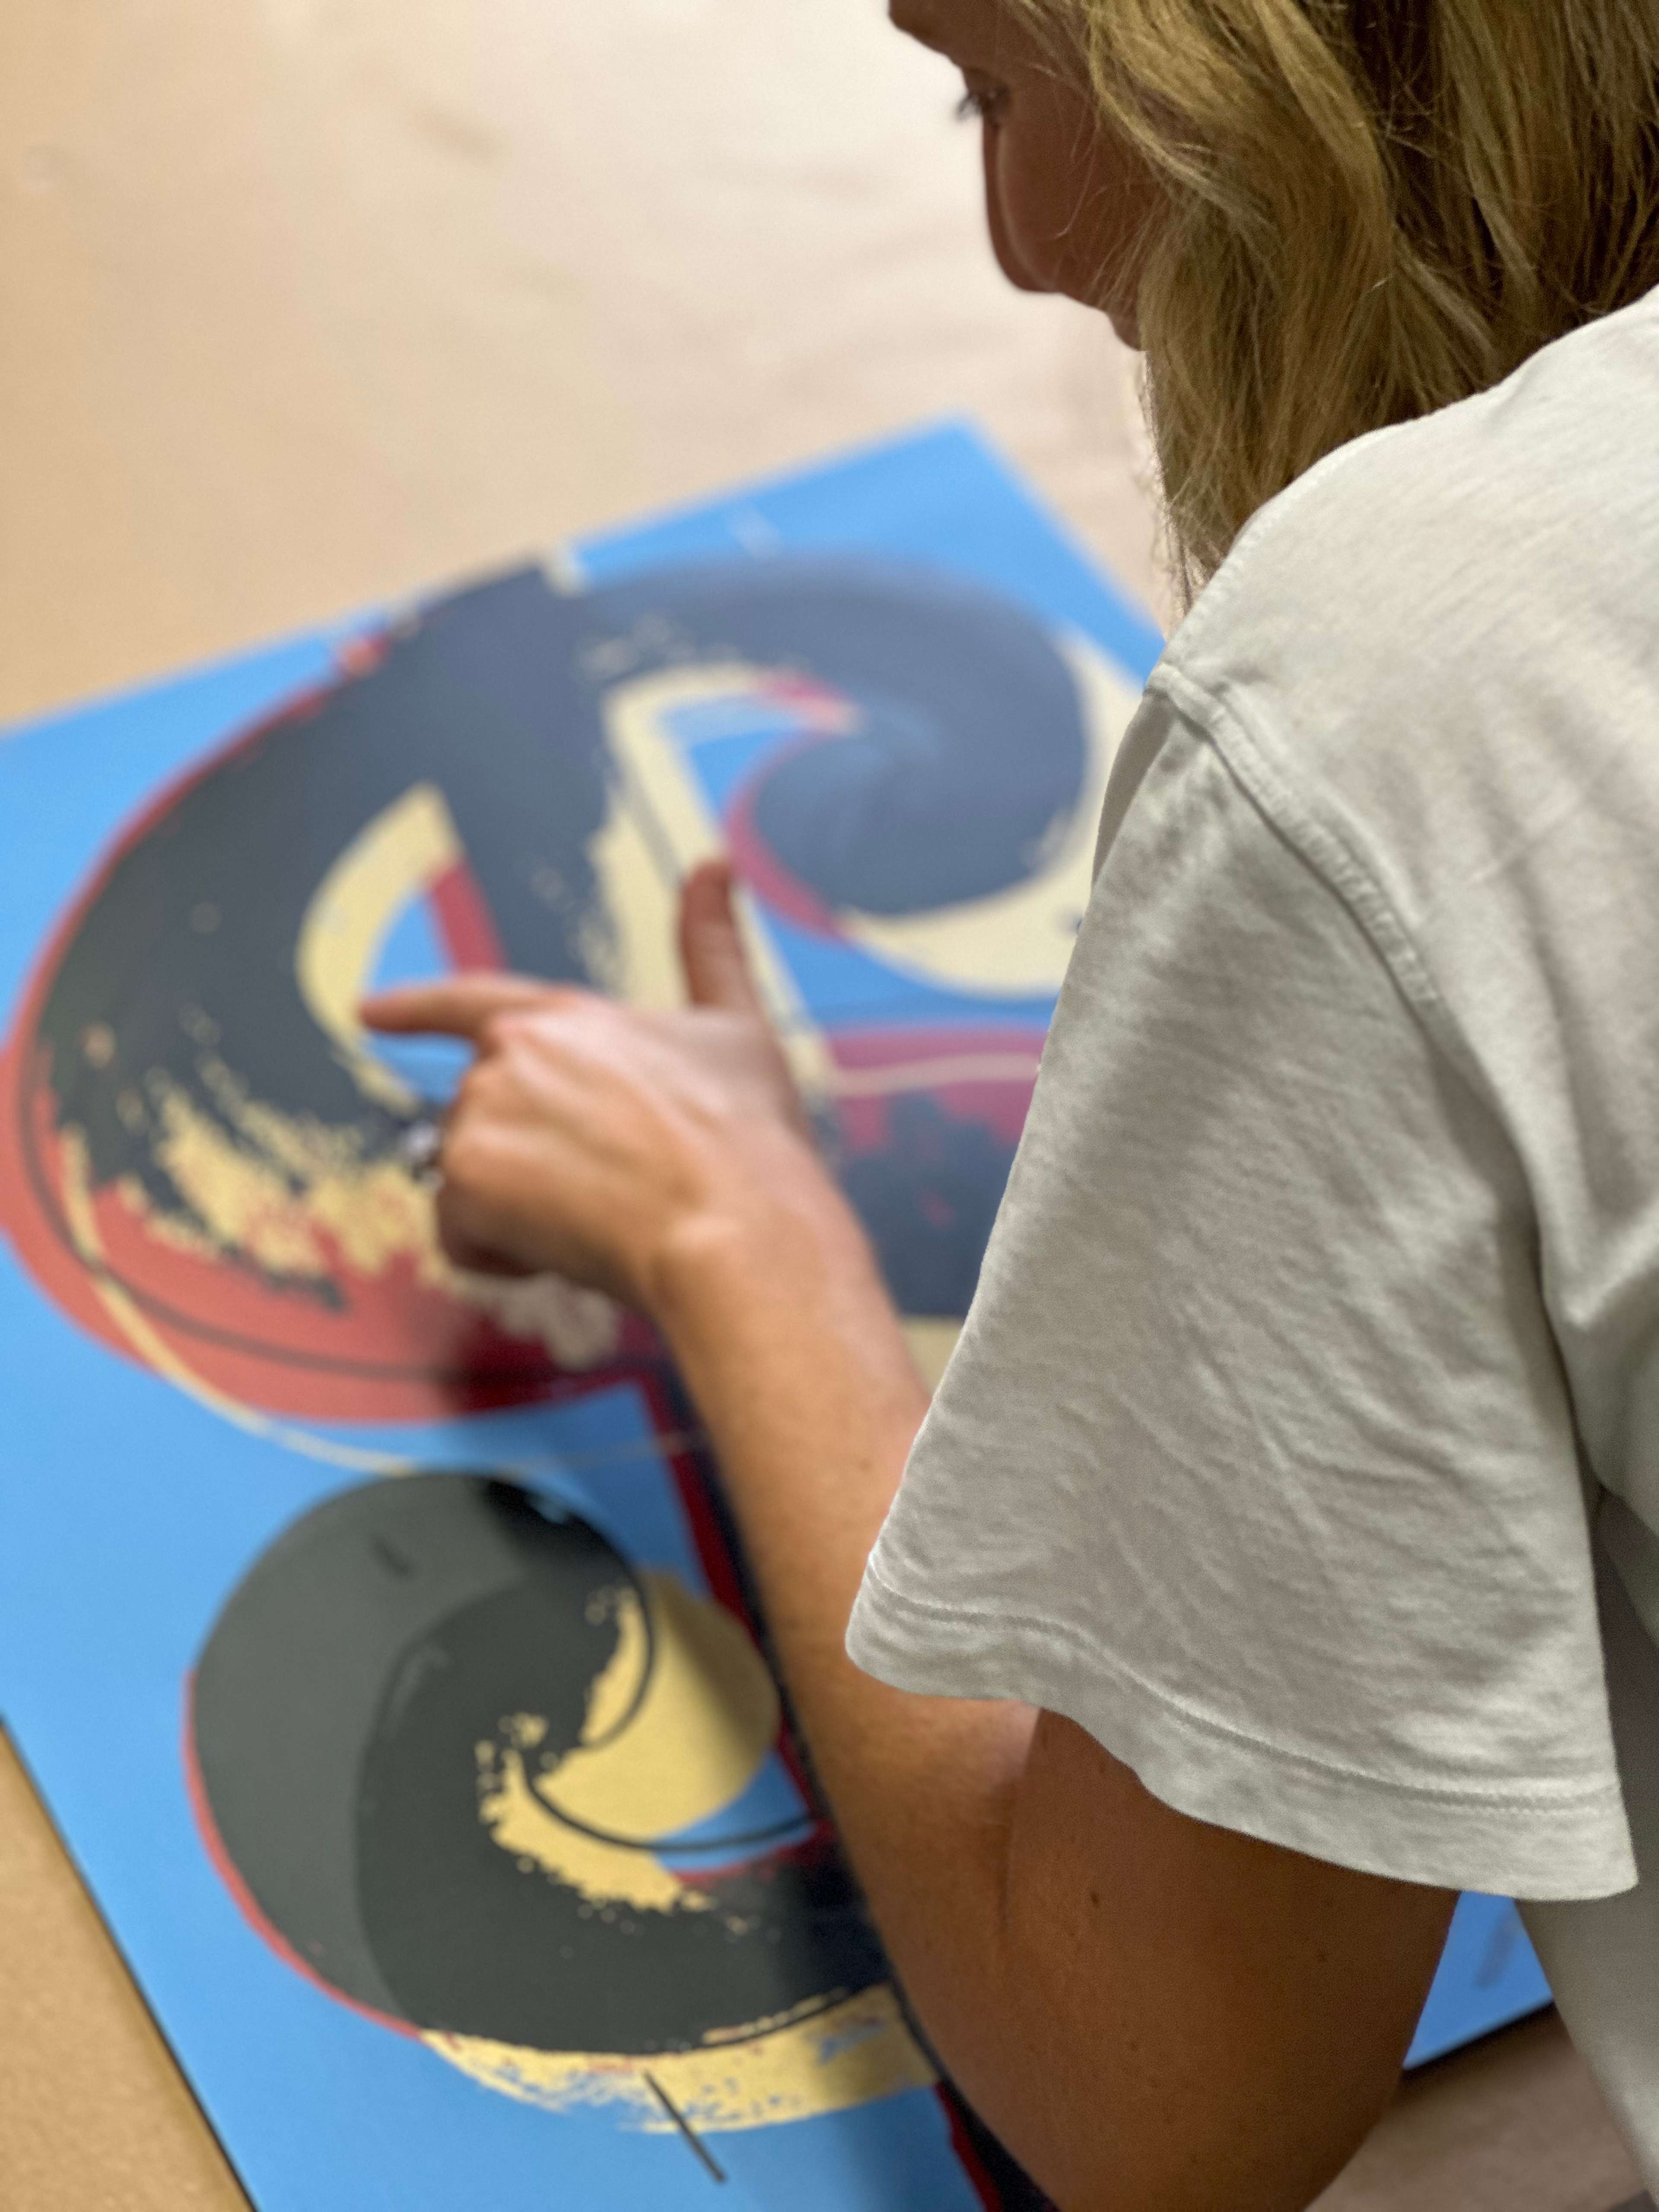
(1565, 1797)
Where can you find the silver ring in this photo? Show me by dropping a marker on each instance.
(419, 1149)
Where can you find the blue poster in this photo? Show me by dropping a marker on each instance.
(374, 1631)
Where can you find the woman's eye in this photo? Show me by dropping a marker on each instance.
(981, 104)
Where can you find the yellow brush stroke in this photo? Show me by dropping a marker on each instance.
(662, 1750)
(658, 829)
(932, 1342)
(615, 1695)
(847, 2052)
(406, 847)
(708, 1718)
(609, 1875)
(246, 1203)
(293, 1195)
(155, 1350)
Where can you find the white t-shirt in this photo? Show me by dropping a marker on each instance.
(1303, 1443)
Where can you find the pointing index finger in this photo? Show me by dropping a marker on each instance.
(456, 1005)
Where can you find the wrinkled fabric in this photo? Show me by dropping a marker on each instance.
(1303, 1442)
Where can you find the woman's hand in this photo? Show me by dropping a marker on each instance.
(1154, 2011)
(610, 1145)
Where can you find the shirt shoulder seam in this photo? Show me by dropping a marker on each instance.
(1330, 857)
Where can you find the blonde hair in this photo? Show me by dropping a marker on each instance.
(1370, 208)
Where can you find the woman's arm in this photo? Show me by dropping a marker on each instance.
(1156, 2015)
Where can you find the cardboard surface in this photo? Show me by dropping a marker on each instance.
(1514, 2125)
(92, 2113)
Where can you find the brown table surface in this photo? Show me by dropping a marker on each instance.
(305, 303)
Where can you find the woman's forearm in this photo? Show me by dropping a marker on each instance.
(1124, 1993)
(1138, 2003)
(789, 1344)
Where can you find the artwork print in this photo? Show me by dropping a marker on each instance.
(375, 1631)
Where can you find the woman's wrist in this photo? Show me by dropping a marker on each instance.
(787, 1340)
(776, 1240)
(782, 1278)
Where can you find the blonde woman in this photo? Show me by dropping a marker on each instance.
(1280, 1554)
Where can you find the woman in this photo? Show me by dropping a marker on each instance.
(1278, 1556)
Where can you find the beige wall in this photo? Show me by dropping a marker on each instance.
(306, 302)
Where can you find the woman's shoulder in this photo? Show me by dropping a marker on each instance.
(1514, 528)
(1444, 629)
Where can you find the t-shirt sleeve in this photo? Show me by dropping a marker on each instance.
(1254, 1458)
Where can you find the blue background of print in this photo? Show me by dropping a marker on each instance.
(128, 1511)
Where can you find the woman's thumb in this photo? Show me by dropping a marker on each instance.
(712, 956)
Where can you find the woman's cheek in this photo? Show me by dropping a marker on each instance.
(1019, 255)
(1066, 222)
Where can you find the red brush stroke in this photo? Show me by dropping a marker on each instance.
(394, 1349)
(25, 1067)
(691, 1482)
(714, 1558)
(966, 2150)
(998, 1102)
(400, 1349)
(758, 866)
(465, 921)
